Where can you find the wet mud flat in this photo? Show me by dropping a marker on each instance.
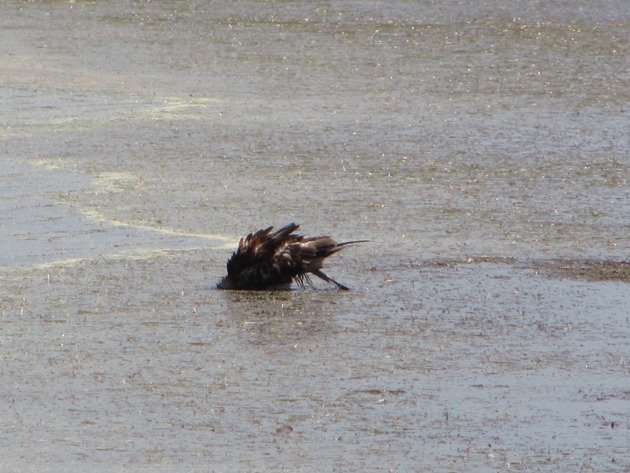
(592, 270)
(577, 268)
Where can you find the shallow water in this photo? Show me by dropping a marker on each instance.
(482, 149)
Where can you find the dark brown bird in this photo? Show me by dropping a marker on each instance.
(272, 260)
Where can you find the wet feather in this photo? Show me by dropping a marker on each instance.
(266, 259)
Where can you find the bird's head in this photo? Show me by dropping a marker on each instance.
(226, 283)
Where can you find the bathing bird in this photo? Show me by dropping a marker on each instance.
(269, 259)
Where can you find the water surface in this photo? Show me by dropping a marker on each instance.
(481, 148)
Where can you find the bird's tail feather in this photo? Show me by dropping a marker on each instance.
(352, 242)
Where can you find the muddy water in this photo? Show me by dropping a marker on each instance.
(483, 151)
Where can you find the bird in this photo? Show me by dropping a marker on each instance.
(269, 259)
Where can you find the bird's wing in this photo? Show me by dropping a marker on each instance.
(260, 247)
(305, 254)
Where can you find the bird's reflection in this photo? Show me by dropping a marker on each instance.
(282, 317)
